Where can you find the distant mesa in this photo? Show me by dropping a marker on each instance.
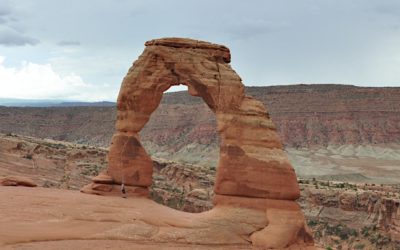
(15, 102)
(254, 173)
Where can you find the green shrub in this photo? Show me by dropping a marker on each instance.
(312, 223)
(28, 156)
(359, 246)
(365, 231)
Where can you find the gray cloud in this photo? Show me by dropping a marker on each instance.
(68, 43)
(250, 28)
(4, 13)
(13, 38)
(5, 10)
(2, 20)
(389, 8)
(10, 32)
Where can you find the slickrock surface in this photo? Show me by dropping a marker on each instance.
(60, 219)
(253, 171)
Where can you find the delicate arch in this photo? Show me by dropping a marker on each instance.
(252, 162)
(253, 170)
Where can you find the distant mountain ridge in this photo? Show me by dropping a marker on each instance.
(179, 97)
(86, 104)
(14, 102)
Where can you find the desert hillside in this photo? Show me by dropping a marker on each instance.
(305, 115)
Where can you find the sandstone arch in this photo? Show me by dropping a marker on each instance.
(253, 170)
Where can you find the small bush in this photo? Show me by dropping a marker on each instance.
(91, 170)
(341, 185)
(365, 231)
(28, 156)
(312, 223)
(359, 246)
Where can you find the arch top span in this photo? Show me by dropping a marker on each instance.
(203, 67)
(220, 51)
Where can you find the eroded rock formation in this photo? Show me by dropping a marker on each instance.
(17, 181)
(253, 171)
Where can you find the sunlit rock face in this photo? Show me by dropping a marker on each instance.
(253, 170)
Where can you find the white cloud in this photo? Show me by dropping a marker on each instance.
(40, 81)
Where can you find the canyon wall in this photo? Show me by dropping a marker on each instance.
(305, 115)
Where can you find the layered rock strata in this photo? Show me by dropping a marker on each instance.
(378, 209)
(253, 170)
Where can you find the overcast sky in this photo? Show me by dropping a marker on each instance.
(81, 49)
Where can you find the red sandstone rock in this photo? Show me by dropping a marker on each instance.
(115, 190)
(103, 178)
(17, 181)
(252, 162)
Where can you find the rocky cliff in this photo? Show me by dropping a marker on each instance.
(305, 115)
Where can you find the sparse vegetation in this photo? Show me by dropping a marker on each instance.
(54, 145)
(370, 236)
(48, 184)
(91, 170)
(359, 246)
(325, 183)
(340, 230)
(303, 181)
(312, 223)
